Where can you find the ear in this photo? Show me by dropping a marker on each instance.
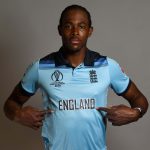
(90, 31)
(59, 30)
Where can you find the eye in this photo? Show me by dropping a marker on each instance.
(82, 26)
(67, 26)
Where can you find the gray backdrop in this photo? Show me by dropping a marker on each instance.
(28, 31)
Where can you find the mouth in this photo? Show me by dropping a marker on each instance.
(74, 41)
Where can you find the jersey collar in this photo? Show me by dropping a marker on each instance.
(89, 59)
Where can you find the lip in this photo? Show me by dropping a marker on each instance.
(74, 40)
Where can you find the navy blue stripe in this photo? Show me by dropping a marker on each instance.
(129, 84)
(45, 66)
(23, 91)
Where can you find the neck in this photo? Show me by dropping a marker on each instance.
(75, 58)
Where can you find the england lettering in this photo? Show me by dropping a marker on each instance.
(73, 104)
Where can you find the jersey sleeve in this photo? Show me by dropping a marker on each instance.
(119, 81)
(29, 82)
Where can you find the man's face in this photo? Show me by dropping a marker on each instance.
(75, 30)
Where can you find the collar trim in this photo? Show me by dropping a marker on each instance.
(89, 59)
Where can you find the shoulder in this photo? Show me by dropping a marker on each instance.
(112, 62)
(48, 58)
(97, 58)
(102, 59)
(33, 66)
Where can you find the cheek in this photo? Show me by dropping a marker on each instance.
(84, 36)
(84, 33)
(65, 36)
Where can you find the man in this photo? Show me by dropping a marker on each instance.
(74, 82)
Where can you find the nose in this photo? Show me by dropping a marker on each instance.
(75, 31)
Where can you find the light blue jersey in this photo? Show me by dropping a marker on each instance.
(74, 94)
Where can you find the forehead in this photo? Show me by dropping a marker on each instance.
(75, 15)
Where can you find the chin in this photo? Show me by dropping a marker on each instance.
(73, 49)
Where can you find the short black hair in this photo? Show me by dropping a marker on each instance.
(75, 7)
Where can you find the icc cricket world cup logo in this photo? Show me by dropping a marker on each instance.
(57, 76)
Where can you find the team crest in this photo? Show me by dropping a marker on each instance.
(57, 77)
(93, 76)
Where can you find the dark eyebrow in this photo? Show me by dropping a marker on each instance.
(67, 22)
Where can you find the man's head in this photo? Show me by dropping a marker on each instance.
(75, 7)
(75, 28)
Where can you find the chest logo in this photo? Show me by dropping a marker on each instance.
(93, 76)
(57, 77)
